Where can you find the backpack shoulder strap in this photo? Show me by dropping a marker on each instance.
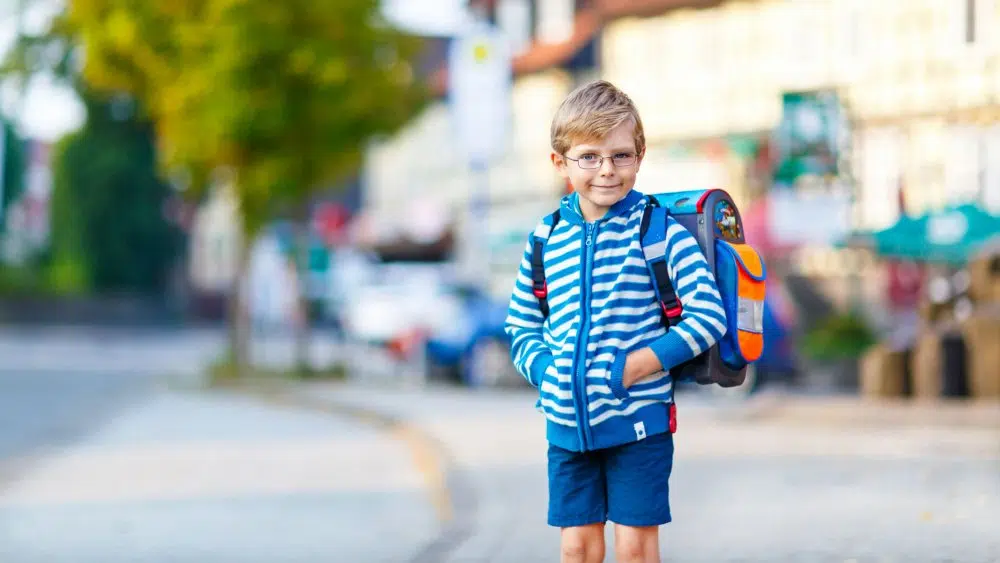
(538, 285)
(653, 237)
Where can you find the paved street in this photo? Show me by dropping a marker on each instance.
(101, 463)
(808, 480)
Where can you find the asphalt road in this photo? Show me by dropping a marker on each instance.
(102, 462)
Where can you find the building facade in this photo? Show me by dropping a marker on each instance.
(918, 82)
(418, 183)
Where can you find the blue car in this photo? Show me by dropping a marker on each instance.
(475, 351)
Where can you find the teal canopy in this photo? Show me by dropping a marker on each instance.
(949, 236)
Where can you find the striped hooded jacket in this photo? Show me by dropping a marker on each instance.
(601, 307)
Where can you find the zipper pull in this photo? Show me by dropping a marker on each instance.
(590, 229)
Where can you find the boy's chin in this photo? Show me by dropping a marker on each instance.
(605, 199)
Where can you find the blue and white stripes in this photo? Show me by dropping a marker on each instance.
(603, 306)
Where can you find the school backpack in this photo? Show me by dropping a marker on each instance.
(714, 220)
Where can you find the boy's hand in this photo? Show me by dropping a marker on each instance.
(639, 364)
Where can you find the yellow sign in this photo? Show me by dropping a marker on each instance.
(480, 53)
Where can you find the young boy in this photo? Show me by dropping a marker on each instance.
(601, 357)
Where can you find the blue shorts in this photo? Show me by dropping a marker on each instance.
(627, 484)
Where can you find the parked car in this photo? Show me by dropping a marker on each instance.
(396, 300)
(474, 350)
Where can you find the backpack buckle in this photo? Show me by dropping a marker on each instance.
(672, 312)
(541, 291)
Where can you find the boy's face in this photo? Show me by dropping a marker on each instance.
(601, 187)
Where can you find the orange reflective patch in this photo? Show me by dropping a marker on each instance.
(751, 345)
(750, 258)
(747, 287)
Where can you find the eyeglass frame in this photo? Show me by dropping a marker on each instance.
(600, 162)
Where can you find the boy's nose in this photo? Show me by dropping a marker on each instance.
(607, 166)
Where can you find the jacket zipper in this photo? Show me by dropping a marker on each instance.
(580, 371)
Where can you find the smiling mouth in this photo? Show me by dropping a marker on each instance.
(606, 187)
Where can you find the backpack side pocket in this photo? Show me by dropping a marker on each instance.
(741, 277)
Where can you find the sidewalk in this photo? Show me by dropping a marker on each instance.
(774, 479)
(217, 476)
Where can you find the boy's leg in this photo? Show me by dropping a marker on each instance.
(577, 504)
(637, 544)
(638, 476)
(582, 544)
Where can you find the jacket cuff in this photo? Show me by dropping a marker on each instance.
(671, 350)
(538, 368)
(617, 372)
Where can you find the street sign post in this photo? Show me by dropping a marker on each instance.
(479, 73)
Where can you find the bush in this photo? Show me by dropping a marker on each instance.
(223, 372)
(839, 337)
(19, 281)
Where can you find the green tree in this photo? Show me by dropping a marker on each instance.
(282, 96)
(108, 206)
(108, 229)
(14, 165)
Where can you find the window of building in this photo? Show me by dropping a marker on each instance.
(969, 21)
(974, 20)
(990, 170)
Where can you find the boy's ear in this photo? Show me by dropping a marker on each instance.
(559, 163)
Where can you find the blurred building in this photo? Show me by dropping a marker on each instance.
(418, 184)
(890, 95)
(918, 83)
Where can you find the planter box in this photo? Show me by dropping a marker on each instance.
(982, 334)
(926, 364)
(883, 373)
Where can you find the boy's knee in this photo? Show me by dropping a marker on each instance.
(574, 550)
(583, 544)
(629, 550)
(636, 545)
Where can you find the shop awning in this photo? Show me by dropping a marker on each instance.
(949, 236)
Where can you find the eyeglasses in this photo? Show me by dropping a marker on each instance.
(592, 161)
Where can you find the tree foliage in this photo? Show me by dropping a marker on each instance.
(14, 166)
(282, 95)
(108, 206)
(109, 233)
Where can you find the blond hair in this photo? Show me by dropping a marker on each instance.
(592, 111)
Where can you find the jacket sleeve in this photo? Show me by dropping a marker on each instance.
(703, 320)
(531, 355)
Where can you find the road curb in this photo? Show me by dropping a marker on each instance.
(452, 495)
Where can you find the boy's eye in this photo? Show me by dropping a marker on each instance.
(622, 155)
(589, 157)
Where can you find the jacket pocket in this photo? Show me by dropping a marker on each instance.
(554, 397)
(617, 371)
(656, 387)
